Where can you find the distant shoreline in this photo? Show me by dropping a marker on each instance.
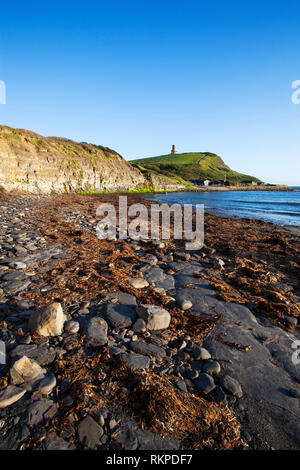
(236, 188)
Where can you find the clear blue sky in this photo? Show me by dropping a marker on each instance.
(139, 76)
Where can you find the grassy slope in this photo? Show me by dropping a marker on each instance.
(23, 140)
(192, 166)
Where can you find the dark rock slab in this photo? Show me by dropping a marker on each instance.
(57, 443)
(90, 433)
(14, 287)
(122, 298)
(42, 354)
(136, 361)
(204, 383)
(167, 283)
(126, 436)
(231, 385)
(147, 349)
(96, 331)
(40, 411)
(14, 438)
(154, 275)
(115, 351)
(120, 316)
(177, 266)
(14, 276)
(265, 373)
(130, 436)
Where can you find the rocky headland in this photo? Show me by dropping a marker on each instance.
(32, 163)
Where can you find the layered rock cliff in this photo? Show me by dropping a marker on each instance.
(36, 164)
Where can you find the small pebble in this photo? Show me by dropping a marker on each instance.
(47, 384)
(71, 327)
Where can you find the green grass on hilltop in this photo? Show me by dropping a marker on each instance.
(192, 166)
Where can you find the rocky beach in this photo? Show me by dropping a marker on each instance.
(139, 344)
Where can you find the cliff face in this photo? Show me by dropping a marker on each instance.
(36, 164)
(32, 163)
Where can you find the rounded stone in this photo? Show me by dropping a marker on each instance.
(181, 385)
(83, 311)
(211, 367)
(139, 325)
(48, 321)
(201, 353)
(72, 327)
(231, 385)
(10, 395)
(156, 318)
(192, 374)
(205, 383)
(18, 265)
(184, 304)
(47, 384)
(138, 283)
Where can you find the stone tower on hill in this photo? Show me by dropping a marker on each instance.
(174, 149)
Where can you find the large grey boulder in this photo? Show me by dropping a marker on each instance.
(96, 331)
(205, 383)
(201, 353)
(57, 443)
(40, 411)
(120, 316)
(136, 361)
(26, 371)
(89, 433)
(156, 318)
(231, 385)
(48, 321)
(154, 275)
(121, 298)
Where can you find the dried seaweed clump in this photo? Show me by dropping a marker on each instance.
(151, 399)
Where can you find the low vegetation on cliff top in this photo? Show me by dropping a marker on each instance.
(24, 140)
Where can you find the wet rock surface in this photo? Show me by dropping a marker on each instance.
(96, 340)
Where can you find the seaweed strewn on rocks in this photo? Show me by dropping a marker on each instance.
(136, 344)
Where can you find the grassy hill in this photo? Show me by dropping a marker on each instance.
(192, 166)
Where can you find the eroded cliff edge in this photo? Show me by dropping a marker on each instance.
(36, 164)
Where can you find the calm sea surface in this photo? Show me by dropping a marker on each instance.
(279, 207)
